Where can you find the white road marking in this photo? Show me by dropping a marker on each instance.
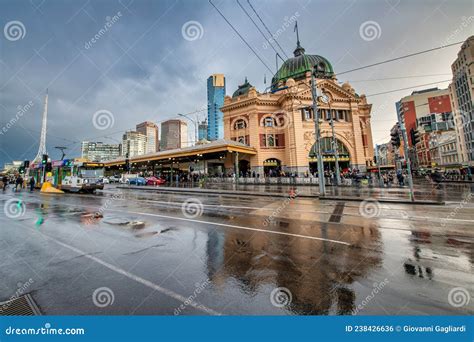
(136, 278)
(237, 227)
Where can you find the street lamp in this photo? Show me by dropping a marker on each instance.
(195, 123)
(318, 71)
(325, 99)
(405, 148)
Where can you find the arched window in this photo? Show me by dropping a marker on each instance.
(240, 124)
(269, 122)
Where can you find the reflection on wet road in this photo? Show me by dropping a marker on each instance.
(235, 255)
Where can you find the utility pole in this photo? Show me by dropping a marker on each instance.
(405, 149)
(195, 122)
(336, 153)
(314, 93)
(378, 164)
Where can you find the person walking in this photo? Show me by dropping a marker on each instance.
(18, 183)
(5, 183)
(32, 184)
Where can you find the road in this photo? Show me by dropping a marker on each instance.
(150, 253)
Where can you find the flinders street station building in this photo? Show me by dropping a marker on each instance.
(279, 124)
(273, 132)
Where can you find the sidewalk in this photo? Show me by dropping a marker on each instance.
(423, 195)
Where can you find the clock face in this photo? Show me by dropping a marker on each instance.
(324, 98)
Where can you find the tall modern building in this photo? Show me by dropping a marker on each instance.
(202, 131)
(215, 100)
(98, 151)
(174, 134)
(150, 130)
(133, 144)
(462, 94)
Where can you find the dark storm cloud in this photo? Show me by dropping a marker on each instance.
(129, 57)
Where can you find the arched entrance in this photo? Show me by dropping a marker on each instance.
(328, 153)
(272, 167)
(244, 167)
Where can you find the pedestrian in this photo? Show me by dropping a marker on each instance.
(18, 182)
(32, 184)
(5, 183)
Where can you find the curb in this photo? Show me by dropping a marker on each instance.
(382, 200)
(215, 192)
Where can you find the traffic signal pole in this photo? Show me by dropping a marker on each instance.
(405, 149)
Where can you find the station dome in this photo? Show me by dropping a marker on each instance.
(299, 65)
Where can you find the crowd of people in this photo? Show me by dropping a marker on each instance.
(18, 183)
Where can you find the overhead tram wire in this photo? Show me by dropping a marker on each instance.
(268, 30)
(397, 78)
(259, 30)
(415, 86)
(237, 32)
(399, 58)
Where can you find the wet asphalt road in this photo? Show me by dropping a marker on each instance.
(236, 254)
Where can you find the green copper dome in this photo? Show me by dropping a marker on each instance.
(243, 89)
(298, 66)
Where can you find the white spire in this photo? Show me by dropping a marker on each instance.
(42, 144)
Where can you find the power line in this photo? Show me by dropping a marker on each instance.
(401, 57)
(400, 89)
(237, 32)
(259, 30)
(397, 78)
(269, 32)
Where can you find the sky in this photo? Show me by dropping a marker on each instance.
(111, 64)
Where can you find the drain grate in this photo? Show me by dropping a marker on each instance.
(21, 306)
(337, 213)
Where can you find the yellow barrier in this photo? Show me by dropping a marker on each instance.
(49, 188)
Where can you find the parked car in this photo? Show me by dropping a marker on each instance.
(104, 180)
(136, 181)
(155, 181)
(114, 179)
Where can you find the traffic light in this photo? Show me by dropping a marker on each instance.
(26, 164)
(415, 136)
(48, 167)
(395, 134)
(127, 165)
(44, 160)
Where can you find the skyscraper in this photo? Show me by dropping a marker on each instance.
(215, 100)
(174, 134)
(133, 144)
(150, 130)
(202, 132)
(462, 93)
(98, 151)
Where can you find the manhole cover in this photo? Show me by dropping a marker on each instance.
(21, 306)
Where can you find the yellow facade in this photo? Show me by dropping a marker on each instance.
(282, 130)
